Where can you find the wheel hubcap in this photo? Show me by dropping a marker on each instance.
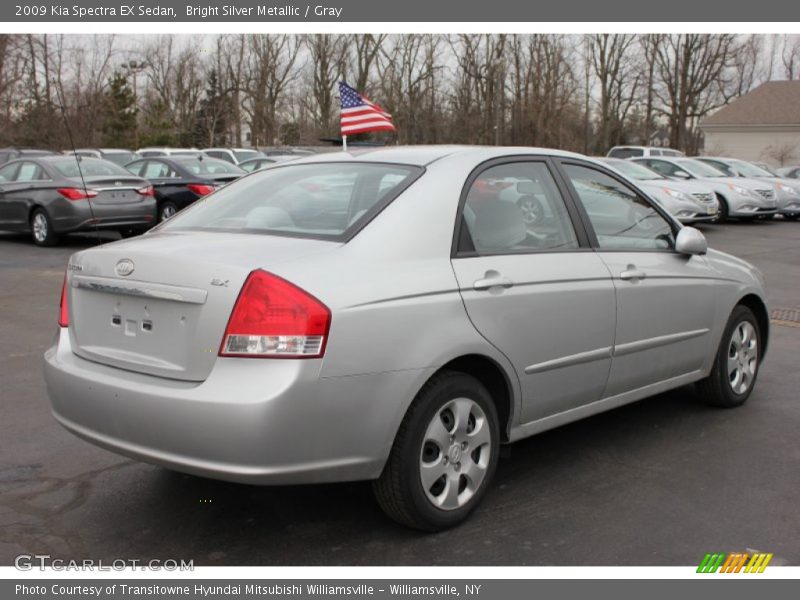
(455, 454)
(39, 227)
(167, 212)
(742, 357)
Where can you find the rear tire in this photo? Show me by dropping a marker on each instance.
(42, 229)
(444, 455)
(736, 364)
(167, 211)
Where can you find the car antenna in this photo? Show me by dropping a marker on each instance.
(60, 95)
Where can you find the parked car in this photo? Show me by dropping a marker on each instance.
(181, 179)
(7, 154)
(256, 164)
(687, 201)
(789, 172)
(50, 196)
(166, 151)
(638, 151)
(787, 190)
(232, 155)
(738, 197)
(286, 151)
(394, 342)
(116, 155)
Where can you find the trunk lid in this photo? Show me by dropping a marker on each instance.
(167, 315)
(115, 190)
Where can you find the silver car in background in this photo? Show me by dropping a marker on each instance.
(687, 201)
(788, 190)
(401, 334)
(738, 197)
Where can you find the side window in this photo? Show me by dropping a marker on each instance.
(516, 207)
(621, 219)
(157, 170)
(663, 167)
(135, 168)
(7, 173)
(29, 171)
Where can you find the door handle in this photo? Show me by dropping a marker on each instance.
(490, 282)
(631, 273)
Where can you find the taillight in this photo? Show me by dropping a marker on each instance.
(63, 317)
(77, 193)
(200, 189)
(147, 190)
(273, 318)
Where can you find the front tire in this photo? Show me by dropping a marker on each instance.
(735, 370)
(444, 456)
(42, 229)
(724, 212)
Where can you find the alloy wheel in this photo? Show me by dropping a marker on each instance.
(39, 227)
(742, 357)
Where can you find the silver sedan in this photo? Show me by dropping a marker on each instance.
(386, 315)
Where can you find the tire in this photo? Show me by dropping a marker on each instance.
(532, 210)
(722, 216)
(42, 228)
(791, 216)
(440, 406)
(767, 217)
(722, 388)
(129, 233)
(167, 211)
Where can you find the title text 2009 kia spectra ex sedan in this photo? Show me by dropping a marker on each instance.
(395, 315)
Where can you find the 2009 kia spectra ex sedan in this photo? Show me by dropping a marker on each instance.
(392, 315)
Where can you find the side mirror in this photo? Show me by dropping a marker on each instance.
(690, 241)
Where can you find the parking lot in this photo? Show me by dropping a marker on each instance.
(660, 482)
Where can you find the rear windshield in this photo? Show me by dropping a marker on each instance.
(120, 158)
(246, 154)
(625, 152)
(207, 166)
(321, 200)
(698, 168)
(89, 167)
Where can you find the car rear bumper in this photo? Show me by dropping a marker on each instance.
(251, 421)
(79, 217)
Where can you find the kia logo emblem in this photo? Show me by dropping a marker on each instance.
(124, 267)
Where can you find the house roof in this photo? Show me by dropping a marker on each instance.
(771, 103)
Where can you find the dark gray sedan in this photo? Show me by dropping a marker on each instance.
(53, 195)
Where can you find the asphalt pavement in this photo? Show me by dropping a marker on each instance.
(659, 482)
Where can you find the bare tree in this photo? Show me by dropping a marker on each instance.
(611, 56)
(272, 66)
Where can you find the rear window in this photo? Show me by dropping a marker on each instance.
(89, 167)
(625, 152)
(322, 200)
(207, 166)
(120, 158)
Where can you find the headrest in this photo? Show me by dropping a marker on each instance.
(497, 226)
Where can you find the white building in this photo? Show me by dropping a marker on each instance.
(762, 125)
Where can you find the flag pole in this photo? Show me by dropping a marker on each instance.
(344, 143)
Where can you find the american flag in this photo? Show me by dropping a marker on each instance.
(359, 115)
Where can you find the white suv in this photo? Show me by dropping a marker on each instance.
(640, 151)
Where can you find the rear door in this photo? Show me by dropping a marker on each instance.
(19, 194)
(665, 300)
(7, 176)
(532, 286)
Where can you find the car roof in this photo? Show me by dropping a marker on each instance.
(424, 155)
